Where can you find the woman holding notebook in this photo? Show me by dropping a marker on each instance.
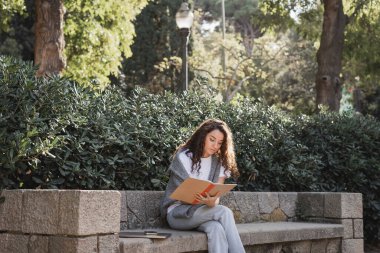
(208, 155)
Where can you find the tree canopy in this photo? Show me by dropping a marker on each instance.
(99, 34)
(8, 8)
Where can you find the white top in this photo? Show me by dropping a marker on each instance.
(204, 171)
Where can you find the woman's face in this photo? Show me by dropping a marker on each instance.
(213, 142)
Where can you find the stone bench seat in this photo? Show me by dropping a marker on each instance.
(268, 222)
(83, 221)
(316, 235)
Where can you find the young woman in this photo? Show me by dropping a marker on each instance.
(208, 155)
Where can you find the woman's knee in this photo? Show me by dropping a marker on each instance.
(225, 210)
(213, 228)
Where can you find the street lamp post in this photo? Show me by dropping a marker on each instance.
(184, 19)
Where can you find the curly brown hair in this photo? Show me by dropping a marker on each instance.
(196, 142)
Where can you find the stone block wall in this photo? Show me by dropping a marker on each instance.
(340, 208)
(55, 221)
(140, 210)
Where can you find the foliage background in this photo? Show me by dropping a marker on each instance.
(135, 43)
(56, 134)
(98, 34)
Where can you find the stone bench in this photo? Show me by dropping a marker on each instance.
(76, 221)
(267, 222)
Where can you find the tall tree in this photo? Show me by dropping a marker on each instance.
(329, 55)
(49, 41)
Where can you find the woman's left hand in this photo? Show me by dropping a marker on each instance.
(208, 200)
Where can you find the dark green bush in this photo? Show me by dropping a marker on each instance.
(349, 151)
(54, 134)
(33, 116)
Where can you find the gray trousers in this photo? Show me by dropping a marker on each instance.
(218, 223)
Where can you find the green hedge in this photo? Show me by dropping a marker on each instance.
(54, 134)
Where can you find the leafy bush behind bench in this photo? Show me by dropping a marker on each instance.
(55, 134)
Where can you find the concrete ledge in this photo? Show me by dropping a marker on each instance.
(60, 221)
(275, 232)
(12, 243)
(63, 244)
(10, 211)
(89, 212)
(22, 243)
(344, 205)
(60, 212)
(250, 233)
(40, 211)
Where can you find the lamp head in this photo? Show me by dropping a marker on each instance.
(184, 16)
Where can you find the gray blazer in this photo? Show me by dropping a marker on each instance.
(178, 174)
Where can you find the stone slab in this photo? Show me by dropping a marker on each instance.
(136, 209)
(279, 232)
(311, 204)
(152, 210)
(353, 246)
(278, 215)
(142, 209)
(10, 211)
(89, 212)
(268, 201)
(63, 244)
(334, 245)
(108, 243)
(40, 211)
(348, 224)
(358, 228)
(319, 246)
(299, 247)
(13, 243)
(229, 200)
(38, 244)
(348, 228)
(246, 207)
(123, 206)
(267, 248)
(343, 205)
(135, 245)
(288, 203)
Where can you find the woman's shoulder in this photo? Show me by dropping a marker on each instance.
(185, 151)
(185, 154)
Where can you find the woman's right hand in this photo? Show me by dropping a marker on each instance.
(208, 200)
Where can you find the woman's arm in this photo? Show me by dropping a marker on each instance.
(221, 180)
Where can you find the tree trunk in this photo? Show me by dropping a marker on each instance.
(329, 55)
(49, 41)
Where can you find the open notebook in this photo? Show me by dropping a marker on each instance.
(191, 186)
